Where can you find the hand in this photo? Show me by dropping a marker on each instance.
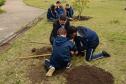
(76, 52)
(72, 52)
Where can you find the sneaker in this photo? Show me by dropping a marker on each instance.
(50, 71)
(105, 54)
(68, 65)
(47, 60)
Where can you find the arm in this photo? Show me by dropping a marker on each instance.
(67, 25)
(65, 13)
(71, 12)
(68, 28)
(48, 14)
(53, 33)
(57, 15)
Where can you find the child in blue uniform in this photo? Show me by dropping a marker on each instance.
(87, 40)
(52, 14)
(60, 9)
(61, 52)
(69, 11)
(62, 22)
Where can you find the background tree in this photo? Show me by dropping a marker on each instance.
(79, 6)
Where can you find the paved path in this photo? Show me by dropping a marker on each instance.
(17, 15)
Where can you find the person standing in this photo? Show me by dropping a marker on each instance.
(62, 22)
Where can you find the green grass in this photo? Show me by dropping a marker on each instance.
(2, 2)
(1, 11)
(39, 3)
(44, 4)
(108, 21)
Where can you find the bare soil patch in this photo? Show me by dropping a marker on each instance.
(82, 18)
(43, 50)
(36, 74)
(89, 75)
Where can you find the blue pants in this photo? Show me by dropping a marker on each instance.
(82, 45)
(90, 56)
(47, 65)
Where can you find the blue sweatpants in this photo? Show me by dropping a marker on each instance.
(82, 46)
(90, 54)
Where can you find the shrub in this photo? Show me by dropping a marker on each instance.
(2, 2)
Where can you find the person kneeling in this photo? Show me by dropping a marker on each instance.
(61, 52)
(87, 40)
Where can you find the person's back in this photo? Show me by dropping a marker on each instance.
(90, 36)
(61, 52)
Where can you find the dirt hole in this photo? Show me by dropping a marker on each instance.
(89, 75)
(43, 50)
(36, 73)
(82, 18)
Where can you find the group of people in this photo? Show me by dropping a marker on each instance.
(55, 11)
(68, 40)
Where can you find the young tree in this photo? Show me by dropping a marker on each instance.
(79, 6)
(2, 2)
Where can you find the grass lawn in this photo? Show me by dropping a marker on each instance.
(1, 3)
(109, 21)
(39, 3)
(44, 4)
(1, 11)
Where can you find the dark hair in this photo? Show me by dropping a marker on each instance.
(52, 7)
(67, 5)
(73, 29)
(58, 2)
(63, 17)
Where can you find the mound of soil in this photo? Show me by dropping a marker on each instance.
(82, 18)
(89, 75)
(43, 50)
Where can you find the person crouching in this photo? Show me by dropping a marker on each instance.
(87, 40)
(61, 52)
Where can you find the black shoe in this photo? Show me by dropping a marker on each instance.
(105, 54)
